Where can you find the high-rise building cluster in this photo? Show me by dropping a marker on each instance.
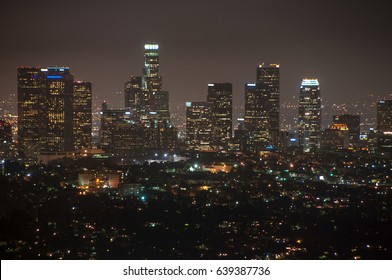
(55, 117)
(260, 127)
(144, 126)
(209, 123)
(54, 112)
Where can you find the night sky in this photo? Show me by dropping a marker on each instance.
(346, 44)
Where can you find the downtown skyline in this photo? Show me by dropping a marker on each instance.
(337, 43)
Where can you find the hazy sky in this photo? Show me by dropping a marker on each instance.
(346, 44)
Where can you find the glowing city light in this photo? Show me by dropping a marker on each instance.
(151, 46)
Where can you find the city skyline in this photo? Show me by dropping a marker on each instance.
(51, 95)
(182, 130)
(336, 47)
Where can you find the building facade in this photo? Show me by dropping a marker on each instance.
(335, 138)
(199, 126)
(132, 95)
(110, 119)
(82, 115)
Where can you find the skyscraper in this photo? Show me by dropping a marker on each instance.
(152, 80)
(154, 101)
(31, 111)
(309, 119)
(256, 116)
(82, 115)
(59, 109)
(268, 80)
(199, 125)
(220, 95)
(262, 108)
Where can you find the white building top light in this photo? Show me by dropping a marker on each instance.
(151, 46)
(310, 82)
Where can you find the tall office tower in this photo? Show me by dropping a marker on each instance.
(353, 123)
(199, 125)
(220, 95)
(59, 91)
(133, 91)
(309, 119)
(268, 80)
(152, 80)
(256, 117)
(153, 101)
(31, 111)
(82, 115)
(384, 125)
